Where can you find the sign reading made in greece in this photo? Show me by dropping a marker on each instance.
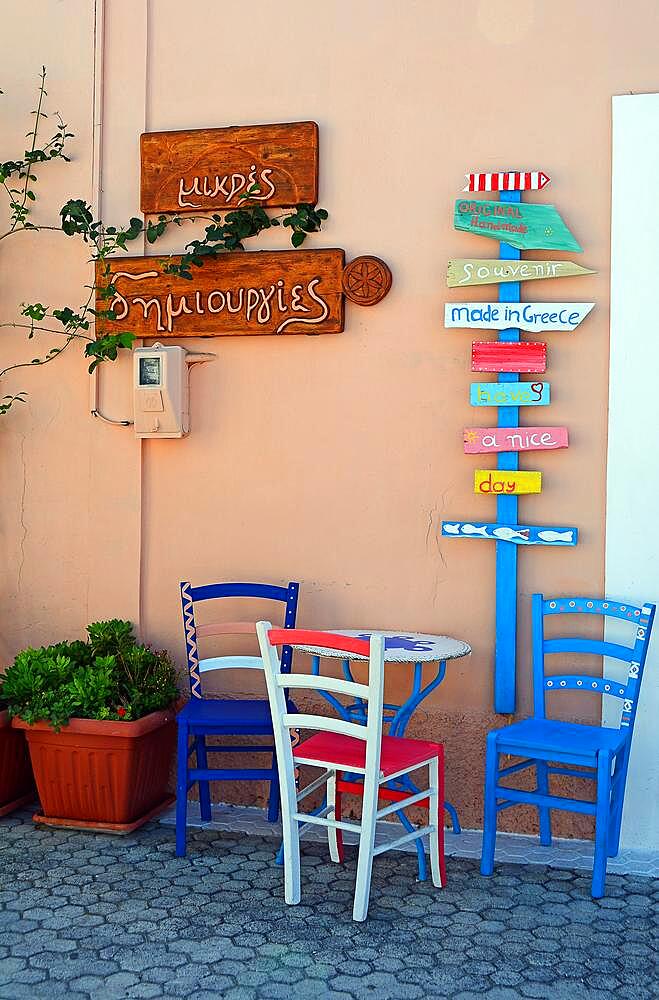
(536, 317)
(214, 169)
(482, 271)
(528, 227)
(233, 294)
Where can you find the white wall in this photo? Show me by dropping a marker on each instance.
(632, 519)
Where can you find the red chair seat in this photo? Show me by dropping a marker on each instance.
(348, 753)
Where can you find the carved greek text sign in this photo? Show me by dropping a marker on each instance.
(234, 294)
(485, 440)
(211, 169)
(529, 227)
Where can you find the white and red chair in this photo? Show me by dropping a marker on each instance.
(338, 746)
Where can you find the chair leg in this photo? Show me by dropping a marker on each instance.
(602, 820)
(291, 835)
(490, 805)
(273, 800)
(436, 819)
(544, 813)
(204, 786)
(334, 836)
(181, 788)
(366, 845)
(617, 803)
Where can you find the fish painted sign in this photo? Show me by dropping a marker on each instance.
(518, 534)
(507, 180)
(527, 227)
(501, 356)
(486, 440)
(509, 393)
(494, 482)
(534, 317)
(482, 271)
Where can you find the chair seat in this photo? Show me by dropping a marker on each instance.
(233, 717)
(563, 738)
(348, 753)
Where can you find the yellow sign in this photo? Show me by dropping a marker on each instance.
(492, 481)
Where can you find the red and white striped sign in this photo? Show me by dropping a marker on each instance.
(507, 180)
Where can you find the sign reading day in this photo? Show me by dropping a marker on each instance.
(215, 169)
(263, 292)
(527, 227)
(492, 481)
(489, 272)
(535, 317)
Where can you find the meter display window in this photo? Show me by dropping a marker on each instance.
(150, 371)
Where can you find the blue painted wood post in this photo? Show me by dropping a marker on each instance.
(506, 554)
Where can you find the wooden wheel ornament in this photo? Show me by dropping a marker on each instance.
(366, 280)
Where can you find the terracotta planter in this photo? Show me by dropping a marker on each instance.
(109, 776)
(16, 781)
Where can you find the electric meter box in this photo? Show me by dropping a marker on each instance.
(162, 394)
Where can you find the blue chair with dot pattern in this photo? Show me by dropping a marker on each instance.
(553, 747)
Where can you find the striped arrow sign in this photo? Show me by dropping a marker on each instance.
(527, 227)
(507, 180)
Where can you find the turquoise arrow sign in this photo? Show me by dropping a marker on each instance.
(528, 227)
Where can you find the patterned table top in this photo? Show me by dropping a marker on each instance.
(402, 647)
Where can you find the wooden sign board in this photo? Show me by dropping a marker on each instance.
(518, 534)
(493, 482)
(233, 294)
(483, 271)
(509, 393)
(501, 356)
(535, 317)
(485, 440)
(527, 227)
(507, 180)
(211, 169)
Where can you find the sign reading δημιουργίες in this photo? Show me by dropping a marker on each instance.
(535, 317)
(527, 227)
(482, 271)
(217, 169)
(486, 440)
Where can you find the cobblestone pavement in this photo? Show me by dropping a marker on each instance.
(83, 916)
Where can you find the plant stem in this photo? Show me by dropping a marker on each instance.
(42, 92)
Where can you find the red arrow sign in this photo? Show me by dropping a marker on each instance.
(507, 180)
(499, 356)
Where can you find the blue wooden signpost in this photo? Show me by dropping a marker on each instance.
(507, 533)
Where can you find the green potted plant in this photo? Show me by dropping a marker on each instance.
(16, 781)
(99, 721)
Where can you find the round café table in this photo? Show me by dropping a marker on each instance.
(413, 648)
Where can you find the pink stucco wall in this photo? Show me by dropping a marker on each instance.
(330, 460)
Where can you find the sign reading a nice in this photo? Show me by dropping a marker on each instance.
(216, 169)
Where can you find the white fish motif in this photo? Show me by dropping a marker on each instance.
(471, 529)
(451, 529)
(507, 534)
(556, 536)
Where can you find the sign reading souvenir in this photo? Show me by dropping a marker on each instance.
(216, 169)
(485, 440)
(527, 227)
(509, 393)
(535, 317)
(233, 294)
(518, 534)
(499, 356)
(509, 180)
(492, 482)
(490, 272)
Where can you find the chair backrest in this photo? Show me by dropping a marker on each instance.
(213, 591)
(627, 691)
(372, 693)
